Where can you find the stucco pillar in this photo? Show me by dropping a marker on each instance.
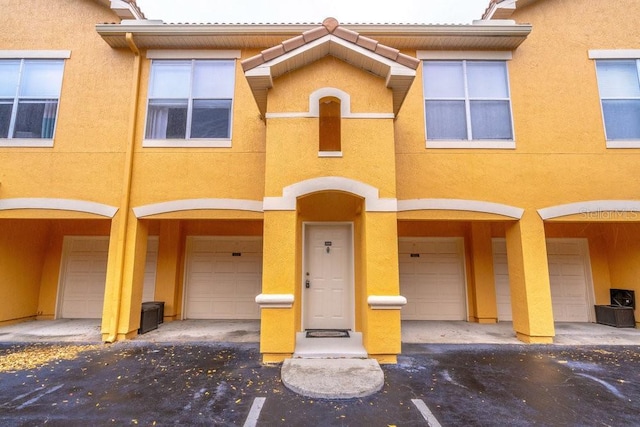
(168, 270)
(529, 280)
(486, 309)
(278, 324)
(125, 278)
(380, 326)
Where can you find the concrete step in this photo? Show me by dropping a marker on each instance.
(332, 378)
(335, 348)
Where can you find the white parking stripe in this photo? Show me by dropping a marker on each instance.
(254, 413)
(426, 413)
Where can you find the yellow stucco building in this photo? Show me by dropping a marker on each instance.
(319, 176)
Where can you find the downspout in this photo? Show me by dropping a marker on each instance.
(125, 203)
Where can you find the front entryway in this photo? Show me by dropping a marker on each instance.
(328, 277)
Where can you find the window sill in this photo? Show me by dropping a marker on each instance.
(491, 144)
(629, 143)
(187, 143)
(26, 142)
(329, 153)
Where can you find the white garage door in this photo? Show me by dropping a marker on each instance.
(83, 277)
(150, 267)
(501, 274)
(223, 277)
(432, 278)
(569, 276)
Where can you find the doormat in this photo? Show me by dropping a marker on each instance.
(327, 333)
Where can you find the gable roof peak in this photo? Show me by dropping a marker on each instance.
(330, 24)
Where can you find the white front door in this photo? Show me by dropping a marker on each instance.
(328, 277)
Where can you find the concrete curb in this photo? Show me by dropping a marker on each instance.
(332, 378)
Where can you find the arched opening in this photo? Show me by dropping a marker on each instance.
(329, 123)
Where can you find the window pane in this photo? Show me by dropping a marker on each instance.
(36, 119)
(5, 118)
(167, 119)
(443, 79)
(211, 119)
(622, 119)
(213, 79)
(170, 79)
(618, 79)
(41, 79)
(490, 120)
(446, 120)
(9, 72)
(487, 79)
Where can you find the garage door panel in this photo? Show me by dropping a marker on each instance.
(223, 278)
(432, 279)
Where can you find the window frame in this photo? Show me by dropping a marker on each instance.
(465, 57)
(193, 56)
(22, 56)
(615, 55)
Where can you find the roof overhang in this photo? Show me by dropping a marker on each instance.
(397, 77)
(503, 9)
(149, 34)
(125, 9)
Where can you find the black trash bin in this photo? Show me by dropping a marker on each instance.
(620, 313)
(148, 317)
(160, 305)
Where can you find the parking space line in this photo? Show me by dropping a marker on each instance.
(426, 413)
(254, 413)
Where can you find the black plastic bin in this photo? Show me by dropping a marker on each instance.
(620, 313)
(148, 318)
(160, 305)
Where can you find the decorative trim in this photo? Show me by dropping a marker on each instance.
(499, 55)
(192, 54)
(590, 208)
(35, 54)
(623, 144)
(499, 144)
(314, 107)
(460, 205)
(27, 142)
(329, 153)
(614, 53)
(197, 204)
(386, 302)
(186, 143)
(373, 203)
(275, 300)
(59, 204)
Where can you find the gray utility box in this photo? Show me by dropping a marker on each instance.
(621, 311)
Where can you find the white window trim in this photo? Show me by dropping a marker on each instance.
(633, 54)
(426, 55)
(192, 54)
(195, 142)
(329, 153)
(35, 54)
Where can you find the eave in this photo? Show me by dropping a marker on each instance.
(482, 35)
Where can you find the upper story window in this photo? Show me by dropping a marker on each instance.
(467, 100)
(619, 85)
(29, 97)
(190, 99)
(329, 122)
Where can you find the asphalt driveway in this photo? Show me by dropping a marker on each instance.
(143, 383)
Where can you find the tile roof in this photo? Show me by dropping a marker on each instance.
(329, 26)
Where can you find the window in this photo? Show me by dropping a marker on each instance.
(467, 100)
(190, 99)
(619, 85)
(29, 95)
(329, 123)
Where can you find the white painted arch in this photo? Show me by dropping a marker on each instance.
(290, 194)
(460, 205)
(591, 208)
(59, 204)
(197, 204)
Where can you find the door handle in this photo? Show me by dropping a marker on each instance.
(307, 284)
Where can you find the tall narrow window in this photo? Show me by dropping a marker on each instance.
(330, 124)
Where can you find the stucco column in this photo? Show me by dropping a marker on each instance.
(278, 324)
(125, 278)
(168, 270)
(486, 309)
(529, 280)
(380, 325)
